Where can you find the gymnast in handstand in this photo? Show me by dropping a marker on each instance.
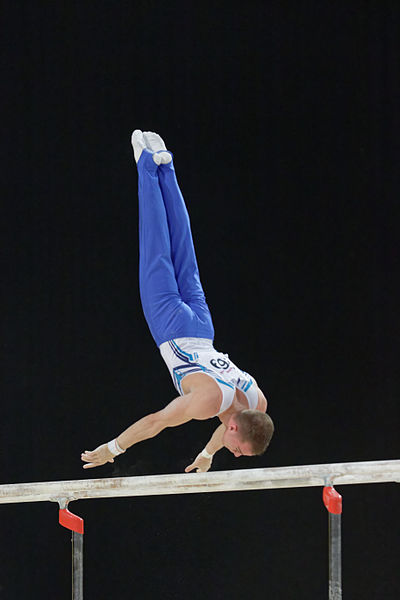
(208, 383)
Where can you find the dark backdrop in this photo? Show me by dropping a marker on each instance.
(284, 121)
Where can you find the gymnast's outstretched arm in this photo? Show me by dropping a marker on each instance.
(201, 462)
(199, 404)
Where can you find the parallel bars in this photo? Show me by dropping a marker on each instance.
(325, 476)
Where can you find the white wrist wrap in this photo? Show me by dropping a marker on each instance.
(115, 448)
(206, 454)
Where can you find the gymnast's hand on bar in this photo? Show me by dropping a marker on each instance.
(98, 457)
(201, 464)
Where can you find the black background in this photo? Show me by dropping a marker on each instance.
(283, 118)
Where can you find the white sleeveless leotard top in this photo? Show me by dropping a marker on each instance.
(185, 356)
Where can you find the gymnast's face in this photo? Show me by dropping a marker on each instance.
(233, 442)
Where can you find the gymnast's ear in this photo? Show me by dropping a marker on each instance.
(232, 425)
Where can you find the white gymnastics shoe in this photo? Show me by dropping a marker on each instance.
(155, 144)
(138, 143)
(153, 141)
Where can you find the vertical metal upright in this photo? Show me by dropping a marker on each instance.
(333, 502)
(75, 524)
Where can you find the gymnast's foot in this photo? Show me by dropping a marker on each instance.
(155, 144)
(138, 144)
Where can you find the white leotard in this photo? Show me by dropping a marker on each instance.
(185, 356)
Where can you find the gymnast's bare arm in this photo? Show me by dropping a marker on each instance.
(201, 463)
(262, 401)
(199, 404)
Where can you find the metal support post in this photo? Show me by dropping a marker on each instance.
(333, 502)
(77, 566)
(75, 524)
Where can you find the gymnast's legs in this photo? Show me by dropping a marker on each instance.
(171, 293)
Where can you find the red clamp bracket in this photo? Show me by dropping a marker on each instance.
(332, 500)
(70, 521)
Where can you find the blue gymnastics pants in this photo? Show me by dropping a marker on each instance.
(171, 293)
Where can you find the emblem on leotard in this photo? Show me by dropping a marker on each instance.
(219, 363)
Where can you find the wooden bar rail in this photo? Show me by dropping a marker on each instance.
(214, 481)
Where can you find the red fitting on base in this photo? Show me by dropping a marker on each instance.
(70, 521)
(332, 500)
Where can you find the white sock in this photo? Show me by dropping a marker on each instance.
(138, 143)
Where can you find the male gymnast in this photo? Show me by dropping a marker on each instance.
(174, 305)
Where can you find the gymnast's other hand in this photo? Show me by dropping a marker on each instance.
(98, 457)
(201, 464)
